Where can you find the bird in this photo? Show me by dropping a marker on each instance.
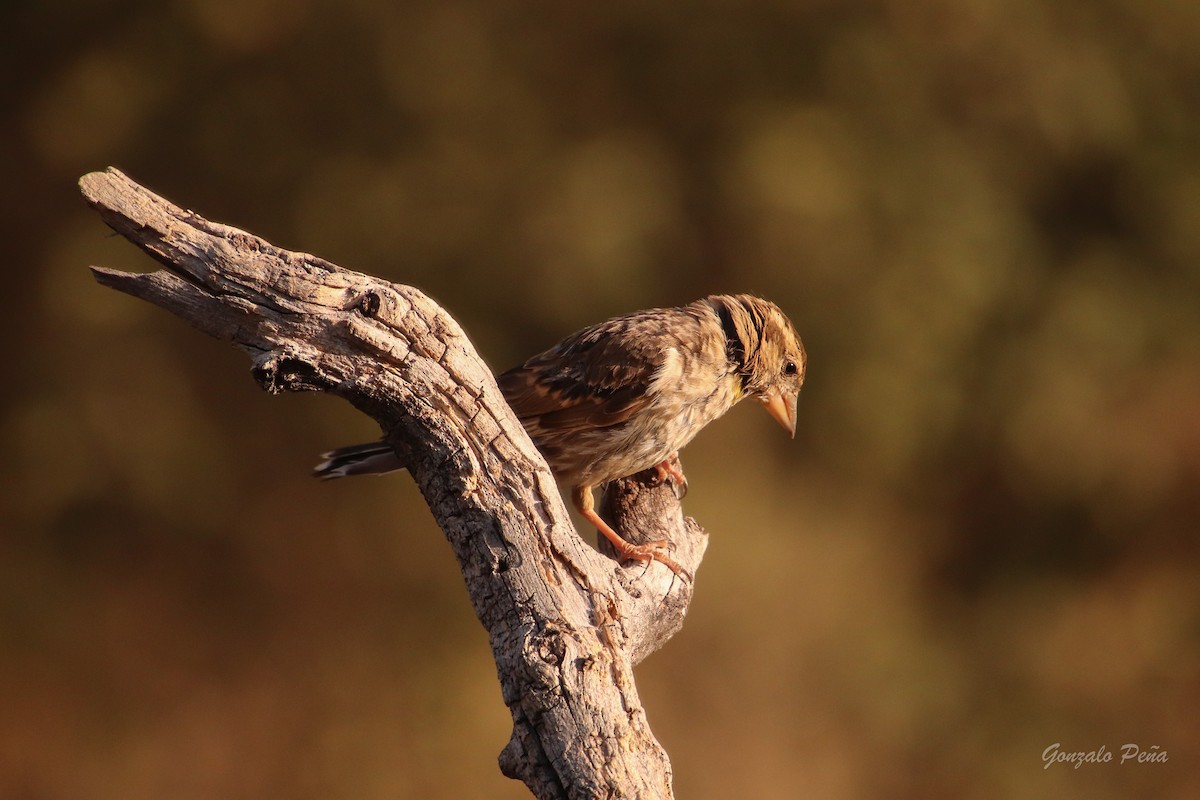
(626, 395)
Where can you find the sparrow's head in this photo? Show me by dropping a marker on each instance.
(766, 350)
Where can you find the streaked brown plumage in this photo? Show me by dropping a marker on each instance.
(628, 394)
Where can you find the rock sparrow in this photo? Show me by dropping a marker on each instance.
(626, 395)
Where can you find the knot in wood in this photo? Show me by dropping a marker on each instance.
(278, 372)
(550, 647)
(369, 304)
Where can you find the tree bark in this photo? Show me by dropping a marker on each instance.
(565, 622)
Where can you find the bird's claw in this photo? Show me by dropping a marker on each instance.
(652, 551)
(671, 468)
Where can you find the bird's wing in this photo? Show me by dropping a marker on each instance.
(599, 377)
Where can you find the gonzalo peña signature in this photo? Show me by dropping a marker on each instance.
(1054, 754)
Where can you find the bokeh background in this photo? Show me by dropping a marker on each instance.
(984, 218)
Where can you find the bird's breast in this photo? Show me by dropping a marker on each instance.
(669, 422)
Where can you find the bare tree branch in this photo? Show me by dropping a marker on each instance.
(566, 623)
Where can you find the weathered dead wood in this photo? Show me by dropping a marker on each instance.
(566, 623)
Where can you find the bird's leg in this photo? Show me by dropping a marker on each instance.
(673, 469)
(652, 551)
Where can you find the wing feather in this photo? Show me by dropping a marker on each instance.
(599, 377)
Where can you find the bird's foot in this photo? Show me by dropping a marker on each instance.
(650, 551)
(673, 469)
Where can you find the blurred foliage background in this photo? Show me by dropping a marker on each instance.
(984, 218)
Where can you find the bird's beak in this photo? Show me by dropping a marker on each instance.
(783, 408)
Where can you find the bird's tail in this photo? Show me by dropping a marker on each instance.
(372, 458)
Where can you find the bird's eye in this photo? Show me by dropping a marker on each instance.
(789, 368)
